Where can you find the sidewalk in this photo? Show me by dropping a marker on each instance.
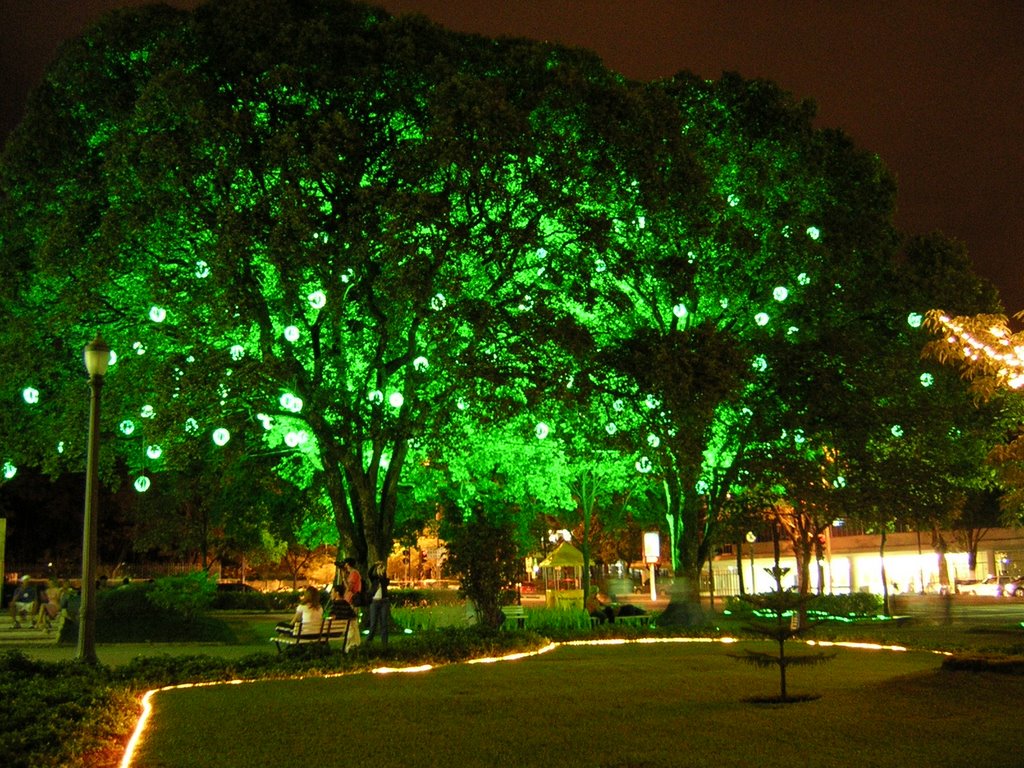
(12, 637)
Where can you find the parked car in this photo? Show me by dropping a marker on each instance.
(1015, 587)
(993, 586)
(235, 586)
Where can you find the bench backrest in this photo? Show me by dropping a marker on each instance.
(322, 631)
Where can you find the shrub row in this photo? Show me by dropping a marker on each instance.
(857, 605)
(1005, 665)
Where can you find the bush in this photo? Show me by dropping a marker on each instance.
(858, 605)
(189, 595)
(422, 598)
(973, 662)
(45, 702)
(253, 601)
(129, 614)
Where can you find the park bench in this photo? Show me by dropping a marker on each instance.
(331, 628)
(514, 613)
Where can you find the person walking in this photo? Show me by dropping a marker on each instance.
(380, 608)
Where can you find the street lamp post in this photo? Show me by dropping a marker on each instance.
(751, 538)
(97, 358)
(652, 552)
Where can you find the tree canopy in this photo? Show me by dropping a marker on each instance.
(340, 244)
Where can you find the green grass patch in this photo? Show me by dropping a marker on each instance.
(94, 710)
(643, 706)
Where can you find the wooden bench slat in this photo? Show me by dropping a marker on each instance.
(327, 632)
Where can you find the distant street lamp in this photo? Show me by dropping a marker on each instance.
(97, 358)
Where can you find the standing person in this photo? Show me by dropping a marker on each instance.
(354, 597)
(380, 608)
(353, 583)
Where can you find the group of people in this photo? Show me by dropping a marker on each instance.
(38, 606)
(607, 612)
(343, 601)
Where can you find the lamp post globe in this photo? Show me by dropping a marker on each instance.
(97, 358)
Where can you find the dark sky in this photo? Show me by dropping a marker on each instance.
(935, 87)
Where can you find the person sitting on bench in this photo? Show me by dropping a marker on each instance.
(308, 615)
(342, 609)
(598, 609)
(23, 603)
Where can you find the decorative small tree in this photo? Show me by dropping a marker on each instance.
(785, 610)
(482, 554)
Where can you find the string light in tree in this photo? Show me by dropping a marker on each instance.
(291, 402)
(994, 348)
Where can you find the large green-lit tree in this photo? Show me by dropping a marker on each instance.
(738, 295)
(303, 227)
(340, 244)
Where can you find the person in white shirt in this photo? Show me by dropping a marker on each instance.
(308, 615)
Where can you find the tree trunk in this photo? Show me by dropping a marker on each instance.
(587, 492)
(739, 566)
(684, 608)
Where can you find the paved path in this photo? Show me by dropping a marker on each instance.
(12, 637)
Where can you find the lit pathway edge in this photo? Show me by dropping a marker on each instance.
(147, 697)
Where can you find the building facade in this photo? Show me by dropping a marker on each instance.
(853, 562)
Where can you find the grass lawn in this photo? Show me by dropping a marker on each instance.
(252, 631)
(636, 705)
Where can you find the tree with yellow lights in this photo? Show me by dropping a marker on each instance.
(991, 355)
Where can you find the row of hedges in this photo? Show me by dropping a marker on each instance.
(857, 605)
(285, 601)
(173, 608)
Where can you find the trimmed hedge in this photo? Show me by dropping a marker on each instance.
(1005, 665)
(128, 614)
(858, 605)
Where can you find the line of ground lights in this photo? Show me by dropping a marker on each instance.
(147, 706)
(995, 346)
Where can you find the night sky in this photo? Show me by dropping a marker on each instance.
(934, 87)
